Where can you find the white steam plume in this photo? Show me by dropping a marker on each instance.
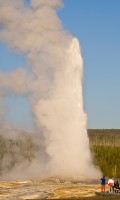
(16, 82)
(54, 81)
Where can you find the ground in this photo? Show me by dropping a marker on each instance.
(51, 188)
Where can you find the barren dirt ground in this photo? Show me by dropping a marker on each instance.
(51, 188)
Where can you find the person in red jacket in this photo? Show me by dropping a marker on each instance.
(111, 185)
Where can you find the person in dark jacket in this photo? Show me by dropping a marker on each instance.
(116, 187)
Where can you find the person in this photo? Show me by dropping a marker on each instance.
(111, 185)
(103, 182)
(116, 187)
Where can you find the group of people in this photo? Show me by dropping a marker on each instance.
(113, 185)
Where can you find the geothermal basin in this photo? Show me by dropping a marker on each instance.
(48, 188)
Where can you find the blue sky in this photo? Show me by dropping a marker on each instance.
(96, 24)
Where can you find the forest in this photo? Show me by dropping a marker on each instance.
(104, 145)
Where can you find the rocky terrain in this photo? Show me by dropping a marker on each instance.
(50, 188)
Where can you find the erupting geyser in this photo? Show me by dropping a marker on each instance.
(64, 117)
(54, 83)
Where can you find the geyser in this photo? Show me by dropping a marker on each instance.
(54, 86)
(66, 121)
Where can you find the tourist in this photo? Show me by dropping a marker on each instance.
(116, 187)
(111, 185)
(103, 182)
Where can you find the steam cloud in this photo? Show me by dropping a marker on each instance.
(54, 84)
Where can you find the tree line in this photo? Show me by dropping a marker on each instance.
(105, 145)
